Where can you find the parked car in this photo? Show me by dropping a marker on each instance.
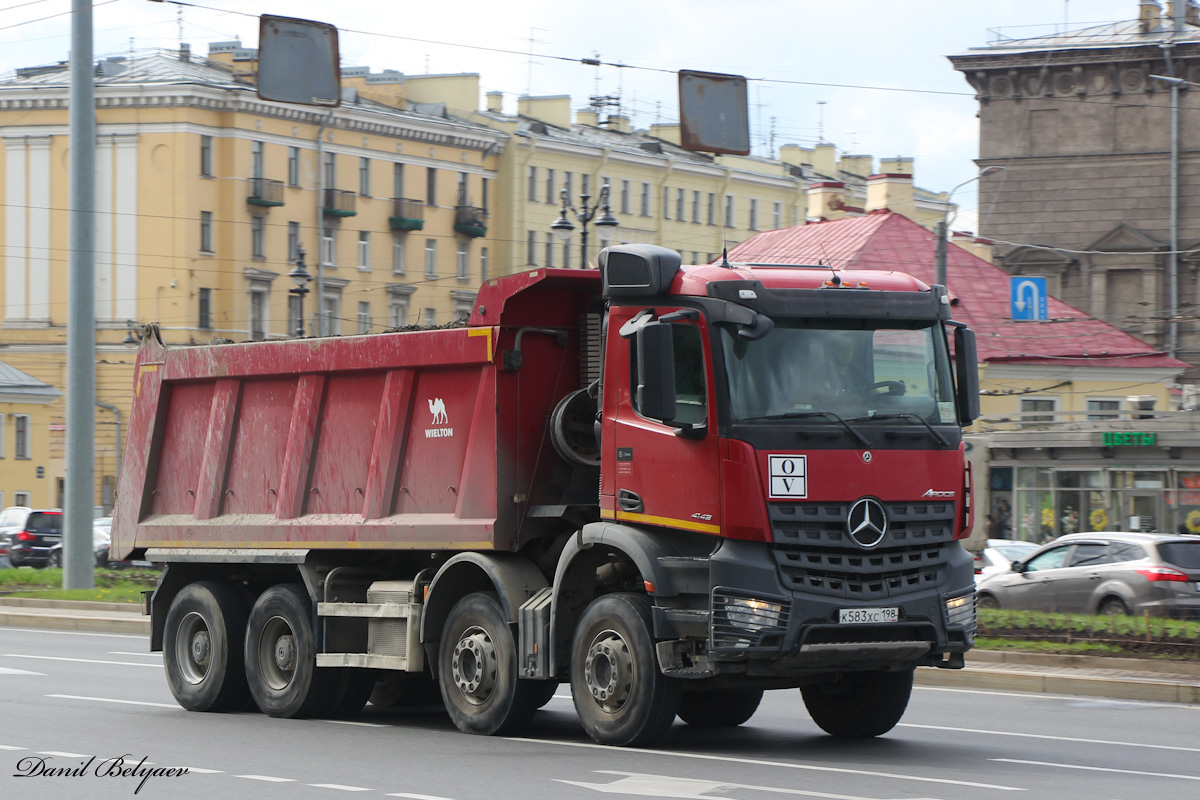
(30, 544)
(997, 555)
(1103, 573)
(101, 538)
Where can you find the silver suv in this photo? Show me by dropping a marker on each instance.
(1103, 573)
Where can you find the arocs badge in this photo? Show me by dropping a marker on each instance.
(789, 476)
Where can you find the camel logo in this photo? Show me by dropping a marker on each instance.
(437, 407)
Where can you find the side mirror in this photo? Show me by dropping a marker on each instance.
(655, 391)
(966, 367)
(1017, 566)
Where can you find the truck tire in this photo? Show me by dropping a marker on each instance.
(860, 704)
(477, 669)
(203, 637)
(354, 688)
(620, 694)
(405, 690)
(281, 664)
(726, 709)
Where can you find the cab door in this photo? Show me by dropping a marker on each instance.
(667, 473)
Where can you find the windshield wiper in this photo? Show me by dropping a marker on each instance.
(908, 415)
(806, 414)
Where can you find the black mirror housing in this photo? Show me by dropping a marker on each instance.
(966, 365)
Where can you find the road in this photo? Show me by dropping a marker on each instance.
(66, 697)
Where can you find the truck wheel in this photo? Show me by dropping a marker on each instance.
(477, 669)
(354, 688)
(202, 647)
(281, 664)
(719, 709)
(405, 690)
(859, 704)
(621, 696)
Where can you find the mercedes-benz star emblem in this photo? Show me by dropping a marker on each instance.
(867, 522)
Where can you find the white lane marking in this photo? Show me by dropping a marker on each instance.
(352, 722)
(83, 660)
(1098, 769)
(664, 786)
(62, 755)
(127, 653)
(11, 671)
(1078, 698)
(113, 700)
(763, 763)
(339, 786)
(200, 771)
(266, 778)
(417, 796)
(1052, 738)
(10, 747)
(78, 633)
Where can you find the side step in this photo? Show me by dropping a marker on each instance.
(393, 624)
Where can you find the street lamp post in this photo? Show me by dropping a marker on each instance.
(943, 226)
(606, 223)
(300, 277)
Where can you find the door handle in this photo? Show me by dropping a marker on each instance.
(629, 501)
(1093, 577)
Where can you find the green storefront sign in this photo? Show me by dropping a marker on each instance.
(1128, 439)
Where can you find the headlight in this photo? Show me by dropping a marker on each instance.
(960, 611)
(749, 613)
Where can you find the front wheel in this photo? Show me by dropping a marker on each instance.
(202, 647)
(726, 709)
(620, 694)
(281, 661)
(859, 705)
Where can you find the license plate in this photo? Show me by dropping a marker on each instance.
(858, 616)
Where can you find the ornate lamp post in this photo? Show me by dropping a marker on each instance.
(606, 223)
(301, 278)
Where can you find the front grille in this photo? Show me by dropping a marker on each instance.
(815, 553)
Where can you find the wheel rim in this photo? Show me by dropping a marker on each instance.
(193, 648)
(473, 665)
(608, 671)
(277, 653)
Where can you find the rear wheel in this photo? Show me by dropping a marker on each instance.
(859, 704)
(355, 685)
(55, 559)
(202, 647)
(477, 669)
(726, 709)
(1114, 607)
(281, 662)
(620, 694)
(405, 690)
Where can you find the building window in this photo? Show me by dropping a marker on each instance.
(2, 454)
(695, 206)
(485, 198)
(295, 324)
(712, 209)
(777, 216)
(483, 264)
(257, 248)
(205, 321)
(398, 267)
(625, 198)
(21, 443)
(567, 181)
(463, 186)
(679, 200)
(431, 258)
(293, 166)
(550, 186)
(1038, 409)
(293, 241)
(364, 177)
(585, 184)
(256, 159)
(1104, 408)
(364, 317)
(21, 498)
(206, 232)
(331, 311)
(531, 249)
(398, 311)
(364, 250)
(460, 261)
(550, 249)
(258, 314)
(753, 214)
(645, 198)
(431, 187)
(397, 180)
(328, 248)
(428, 317)
(330, 170)
(666, 203)
(206, 156)
(533, 183)
(728, 211)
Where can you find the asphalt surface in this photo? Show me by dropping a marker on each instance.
(68, 696)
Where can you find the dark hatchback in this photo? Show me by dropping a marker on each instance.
(30, 545)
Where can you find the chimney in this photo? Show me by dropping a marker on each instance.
(185, 51)
(554, 109)
(1149, 16)
(900, 165)
(824, 159)
(980, 248)
(588, 117)
(826, 200)
(668, 133)
(619, 122)
(495, 102)
(857, 165)
(891, 191)
(795, 155)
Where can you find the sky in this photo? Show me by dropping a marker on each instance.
(871, 76)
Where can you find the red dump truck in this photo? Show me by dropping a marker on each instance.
(673, 487)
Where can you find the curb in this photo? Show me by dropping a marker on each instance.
(1158, 691)
(95, 622)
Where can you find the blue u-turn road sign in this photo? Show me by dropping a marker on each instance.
(1028, 298)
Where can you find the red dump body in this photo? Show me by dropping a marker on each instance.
(401, 440)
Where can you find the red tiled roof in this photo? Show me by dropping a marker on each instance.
(887, 241)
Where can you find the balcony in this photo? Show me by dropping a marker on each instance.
(407, 215)
(470, 221)
(339, 203)
(265, 192)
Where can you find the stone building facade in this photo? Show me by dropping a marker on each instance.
(1084, 133)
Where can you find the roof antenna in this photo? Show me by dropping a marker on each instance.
(836, 281)
(725, 258)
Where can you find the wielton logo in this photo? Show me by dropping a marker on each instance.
(867, 522)
(437, 407)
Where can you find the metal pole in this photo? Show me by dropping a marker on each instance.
(81, 310)
(941, 252)
(1180, 9)
(320, 313)
(583, 247)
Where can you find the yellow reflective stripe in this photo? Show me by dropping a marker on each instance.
(483, 332)
(686, 524)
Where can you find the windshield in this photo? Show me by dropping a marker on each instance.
(803, 370)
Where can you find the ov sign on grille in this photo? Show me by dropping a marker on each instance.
(789, 476)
